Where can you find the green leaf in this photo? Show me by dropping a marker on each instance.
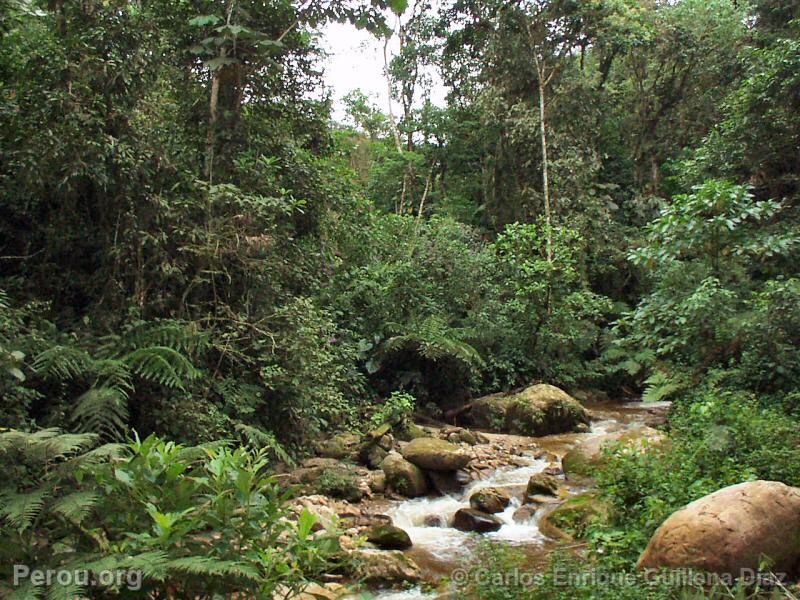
(204, 20)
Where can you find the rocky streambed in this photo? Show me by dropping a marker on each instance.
(425, 503)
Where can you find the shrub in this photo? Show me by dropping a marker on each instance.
(196, 522)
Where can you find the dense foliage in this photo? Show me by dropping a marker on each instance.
(191, 250)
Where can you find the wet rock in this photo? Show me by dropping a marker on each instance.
(539, 499)
(435, 454)
(434, 521)
(449, 482)
(313, 591)
(570, 520)
(490, 500)
(731, 530)
(553, 469)
(585, 457)
(388, 537)
(469, 519)
(582, 428)
(403, 476)
(543, 484)
(386, 568)
(525, 513)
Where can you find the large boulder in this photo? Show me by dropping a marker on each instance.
(540, 409)
(469, 519)
(490, 500)
(731, 531)
(404, 477)
(489, 412)
(585, 457)
(435, 455)
(543, 410)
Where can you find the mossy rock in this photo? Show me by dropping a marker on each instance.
(489, 412)
(340, 482)
(571, 520)
(371, 454)
(388, 537)
(435, 455)
(586, 457)
(409, 431)
(544, 410)
(404, 477)
(490, 500)
(538, 410)
(339, 446)
(541, 484)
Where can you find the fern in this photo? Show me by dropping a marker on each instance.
(75, 507)
(103, 411)
(258, 438)
(63, 362)
(661, 386)
(19, 510)
(163, 365)
(210, 566)
(434, 339)
(179, 335)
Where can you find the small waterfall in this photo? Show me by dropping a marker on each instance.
(447, 543)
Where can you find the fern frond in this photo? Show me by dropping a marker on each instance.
(20, 510)
(25, 591)
(210, 566)
(46, 444)
(103, 411)
(71, 591)
(64, 362)
(76, 506)
(434, 339)
(178, 335)
(163, 365)
(259, 438)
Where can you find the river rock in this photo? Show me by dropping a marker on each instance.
(570, 520)
(388, 537)
(543, 410)
(490, 500)
(489, 412)
(434, 521)
(449, 482)
(585, 457)
(340, 446)
(525, 513)
(731, 530)
(386, 568)
(541, 484)
(377, 481)
(371, 454)
(435, 455)
(469, 519)
(404, 477)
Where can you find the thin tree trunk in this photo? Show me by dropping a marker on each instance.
(545, 176)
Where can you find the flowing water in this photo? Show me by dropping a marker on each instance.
(438, 549)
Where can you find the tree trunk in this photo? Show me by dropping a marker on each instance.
(545, 175)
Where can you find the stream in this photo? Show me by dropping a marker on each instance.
(439, 549)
